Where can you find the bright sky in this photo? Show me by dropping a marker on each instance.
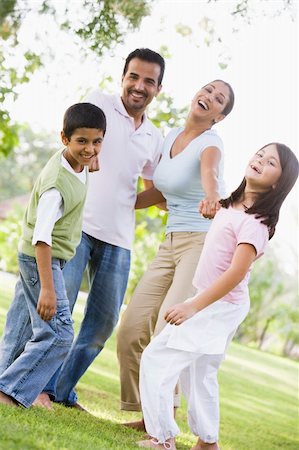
(262, 68)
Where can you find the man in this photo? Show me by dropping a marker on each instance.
(132, 147)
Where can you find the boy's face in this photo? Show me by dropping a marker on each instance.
(83, 147)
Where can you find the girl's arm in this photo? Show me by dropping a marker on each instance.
(241, 262)
(46, 306)
(209, 169)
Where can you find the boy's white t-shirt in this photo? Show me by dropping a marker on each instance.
(126, 154)
(50, 208)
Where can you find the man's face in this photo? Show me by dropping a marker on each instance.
(140, 85)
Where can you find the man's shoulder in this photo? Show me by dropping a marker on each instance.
(153, 129)
(100, 98)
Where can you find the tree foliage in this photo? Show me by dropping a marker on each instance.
(99, 25)
(19, 170)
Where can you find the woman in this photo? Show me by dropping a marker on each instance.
(190, 171)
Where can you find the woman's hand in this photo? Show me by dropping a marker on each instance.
(209, 207)
(177, 314)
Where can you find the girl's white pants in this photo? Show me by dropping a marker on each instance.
(160, 370)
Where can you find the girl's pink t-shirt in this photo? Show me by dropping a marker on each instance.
(230, 228)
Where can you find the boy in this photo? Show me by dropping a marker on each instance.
(39, 314)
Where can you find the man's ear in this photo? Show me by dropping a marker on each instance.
(64, 139)
(159, 88)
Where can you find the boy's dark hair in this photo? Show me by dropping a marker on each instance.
(145, 54)
(267, 205)
(231, 101)
(83, 115)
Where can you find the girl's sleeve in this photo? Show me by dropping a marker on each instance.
(255, 233)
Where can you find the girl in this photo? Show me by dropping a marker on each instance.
(193, 343)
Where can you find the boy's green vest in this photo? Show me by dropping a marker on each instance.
(66, 233)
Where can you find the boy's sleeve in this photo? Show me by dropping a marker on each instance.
(49, 210)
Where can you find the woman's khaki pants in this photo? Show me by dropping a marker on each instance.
(167, 281)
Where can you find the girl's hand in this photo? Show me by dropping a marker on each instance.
(179, 313)
(208, 207)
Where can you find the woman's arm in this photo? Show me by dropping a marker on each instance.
(241, 262)
(209, 169)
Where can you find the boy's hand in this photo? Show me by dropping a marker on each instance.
(46, 305)
(94, 165)
(179, 313)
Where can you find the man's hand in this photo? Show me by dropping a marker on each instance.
(94, 164)
(209, 207)
(179, 313)
(46, 305)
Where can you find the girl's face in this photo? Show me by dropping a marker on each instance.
(210, 101)
(264, 169)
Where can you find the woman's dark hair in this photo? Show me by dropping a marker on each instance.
(231, 98)
(267, 205)
(83, 115)
(145, 54)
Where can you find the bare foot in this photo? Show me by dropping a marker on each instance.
(7, 400)
(200, 445)
(138, 425)
(43, 400)
(169, 444)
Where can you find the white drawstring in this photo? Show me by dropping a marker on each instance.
(166, 445)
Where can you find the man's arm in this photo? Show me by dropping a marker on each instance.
(46, 306)
(241, 262)
(150, 196)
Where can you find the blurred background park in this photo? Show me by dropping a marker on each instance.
(53, 52)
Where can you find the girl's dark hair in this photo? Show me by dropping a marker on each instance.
(83, 115)
(148, 55)
(231, 100)
(267, 205)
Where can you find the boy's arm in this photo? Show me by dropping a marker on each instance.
(46, 306)
(209, 168)
(149, 197)
(50, 209)
(241, 262)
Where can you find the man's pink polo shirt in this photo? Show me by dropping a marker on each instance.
(126, 154)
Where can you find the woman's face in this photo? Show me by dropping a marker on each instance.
(210, 101)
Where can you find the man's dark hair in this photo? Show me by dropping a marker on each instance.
(83, 115)
(145, 54)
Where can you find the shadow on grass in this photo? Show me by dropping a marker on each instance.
(64, 429)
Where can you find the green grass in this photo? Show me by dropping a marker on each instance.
(258, 400)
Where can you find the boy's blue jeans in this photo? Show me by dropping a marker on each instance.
(32, 349)
(108, 270)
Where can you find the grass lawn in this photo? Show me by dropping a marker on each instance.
(258, 401)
